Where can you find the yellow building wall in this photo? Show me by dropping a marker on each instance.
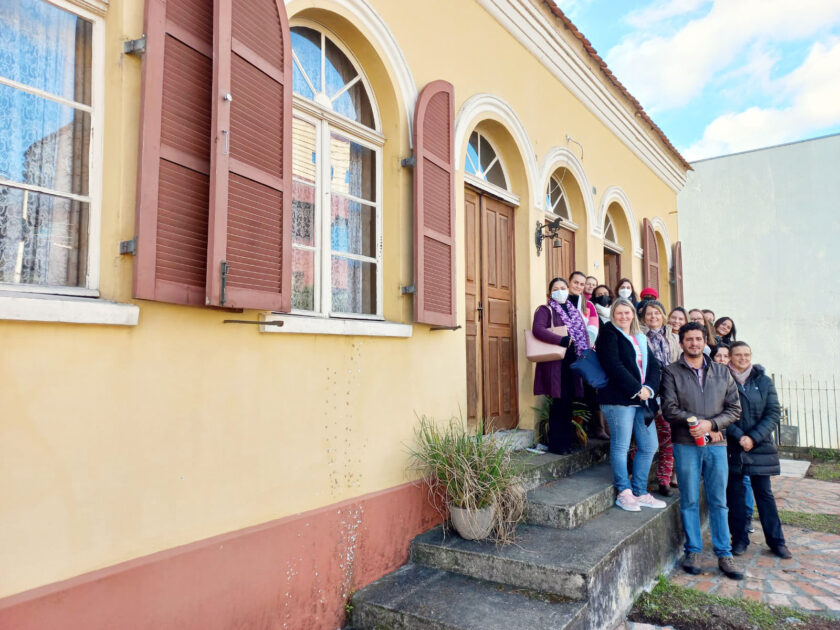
(119, 442)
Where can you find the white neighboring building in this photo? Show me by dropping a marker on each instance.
(761, 244)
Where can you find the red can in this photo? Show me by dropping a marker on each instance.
(693, 422)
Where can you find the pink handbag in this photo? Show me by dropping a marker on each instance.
(539, 351)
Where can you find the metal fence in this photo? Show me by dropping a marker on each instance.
(809, 412)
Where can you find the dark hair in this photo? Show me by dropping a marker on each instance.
(603, 286)
(577, 273)
(557, 279)
(593, 277)
(718, 348)
(708, 310)
(681, 310)
(711, 338)
(738, 344)
(633, 297)
(731, 336)
(685, 328)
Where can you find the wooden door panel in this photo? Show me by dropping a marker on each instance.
(473, 335)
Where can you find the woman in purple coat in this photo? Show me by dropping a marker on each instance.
(555, 378)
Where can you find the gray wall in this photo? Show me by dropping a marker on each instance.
(761, 244)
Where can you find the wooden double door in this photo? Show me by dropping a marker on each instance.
(492, 396)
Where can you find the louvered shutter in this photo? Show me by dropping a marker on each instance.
(173, 179)
(678, 275)
(651, 256)
(434, 205)
(249, 249)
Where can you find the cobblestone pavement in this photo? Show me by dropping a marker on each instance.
(810, 581)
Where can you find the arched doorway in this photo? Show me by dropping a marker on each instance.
(492, 396)
(617, 245)
(562, 201)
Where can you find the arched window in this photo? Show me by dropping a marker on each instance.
(483, 163)
(609, 232)
(555, 199)
(337, 175)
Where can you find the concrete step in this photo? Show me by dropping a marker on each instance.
(421, 598)
(539, 469)
(605, 561)
(570, 502)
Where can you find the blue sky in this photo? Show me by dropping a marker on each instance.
(722, 76)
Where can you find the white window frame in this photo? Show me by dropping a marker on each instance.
(327, 121)
(95, 160)
(614, 247)
(550, 214)
(481, 182)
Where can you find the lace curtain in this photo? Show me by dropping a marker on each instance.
(44, 143)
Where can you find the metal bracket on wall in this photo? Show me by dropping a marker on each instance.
(444, 328)
(409, 290)
(128, 247)
(135, 46)
(225, 268)
(409, 162)
(251, 321)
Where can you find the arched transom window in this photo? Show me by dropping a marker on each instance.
(337, 174)
(555, 199)
(483, 162)
(609, 231)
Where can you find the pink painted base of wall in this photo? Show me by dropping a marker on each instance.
(294, 573)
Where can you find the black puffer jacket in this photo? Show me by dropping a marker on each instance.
(760, 414)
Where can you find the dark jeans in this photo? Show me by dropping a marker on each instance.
(561, 434)
(767, 512)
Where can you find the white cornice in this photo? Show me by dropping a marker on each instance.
(535, 30)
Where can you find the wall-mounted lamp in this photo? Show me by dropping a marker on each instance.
(551, 229)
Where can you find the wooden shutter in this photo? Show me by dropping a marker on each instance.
(651, 256)
(173, 180)
(250, 193)
(434, 205)
(679, 296)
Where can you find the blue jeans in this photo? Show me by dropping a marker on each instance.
(625, 422)
(709, 462)
(749, 500)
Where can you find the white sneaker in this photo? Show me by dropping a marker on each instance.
(648, 501)
(626, 501)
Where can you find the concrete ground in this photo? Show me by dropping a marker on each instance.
(810, 581)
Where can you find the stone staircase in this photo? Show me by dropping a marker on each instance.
(578, 561)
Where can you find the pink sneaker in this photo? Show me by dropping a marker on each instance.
(626, 501)
(647, 500)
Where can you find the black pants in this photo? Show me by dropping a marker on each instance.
(561, 434)
(767, 512)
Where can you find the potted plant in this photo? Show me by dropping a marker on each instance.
(477, 476)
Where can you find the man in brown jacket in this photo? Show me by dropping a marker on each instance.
(696, 386)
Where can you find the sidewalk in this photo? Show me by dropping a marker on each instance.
(810, 581)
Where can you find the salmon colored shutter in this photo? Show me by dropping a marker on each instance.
(678, 274)
(651, 255)
(249, 244)
(434, 205)
(173, 180)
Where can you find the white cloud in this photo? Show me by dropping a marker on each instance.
(666, 72)
(662, 10)
(814, 92)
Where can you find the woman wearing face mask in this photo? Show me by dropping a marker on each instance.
(725, 331)
(752, 452)
(625, 290)
(676, 319)
(602, 298)
(589, 287)
(665, 346)
(634, 375)
(555, 378)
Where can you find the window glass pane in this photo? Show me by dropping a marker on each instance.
(43, 143)
(353, 168)
(496, 176)
(45, 47)
(338, 69)
(299, 84)
(303, 213)
(306, 45)
(303, 279)
(353, 286)
(471, 164)
(353, 227)
(43, 239)
(354, 104)
(486, 152)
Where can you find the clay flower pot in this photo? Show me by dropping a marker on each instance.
(473, 524)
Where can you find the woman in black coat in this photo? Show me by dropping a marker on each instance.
(555, 378)
(752, 452)
(634, 374)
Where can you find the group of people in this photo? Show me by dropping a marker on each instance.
(678, 383)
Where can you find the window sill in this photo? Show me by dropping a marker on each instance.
(33, 307)
(303, 325)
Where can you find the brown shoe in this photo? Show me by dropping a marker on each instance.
(783, 552)
(665, 490)
(691, 564)
(728, 568)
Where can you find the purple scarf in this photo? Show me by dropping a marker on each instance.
(573, 321)
(660, 346)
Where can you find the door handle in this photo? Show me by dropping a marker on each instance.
(480, 309)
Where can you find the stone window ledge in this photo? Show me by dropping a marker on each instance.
(303, 325)
(34, 307)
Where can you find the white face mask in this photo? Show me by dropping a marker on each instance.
(560, 295)
(625, 293)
